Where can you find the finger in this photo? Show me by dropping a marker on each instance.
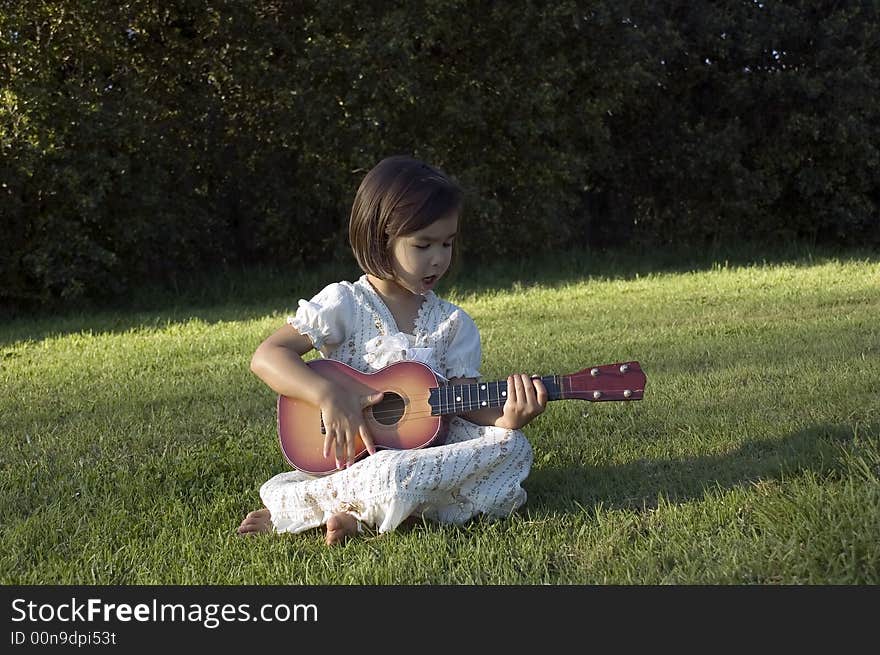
(528, 388)
(520, 389)
(367, 438)
(540, 390)
(331, 445)
(340, 450)
(371, 399)
(349, 451)
(511, 392)
(328, 443)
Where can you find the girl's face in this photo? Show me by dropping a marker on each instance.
(421, 258)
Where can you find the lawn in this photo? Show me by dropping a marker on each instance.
(133, 441)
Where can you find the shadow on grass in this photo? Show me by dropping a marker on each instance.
(246, 294)
(227, 297)
(562, 268)
(639, 485)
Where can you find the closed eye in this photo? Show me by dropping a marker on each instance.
(425, 246)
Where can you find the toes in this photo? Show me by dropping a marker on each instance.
(255, 522)
(339, 528)
(249, 526)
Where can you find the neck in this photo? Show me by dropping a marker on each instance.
(394, 291)
(620, 381)
(463, 398)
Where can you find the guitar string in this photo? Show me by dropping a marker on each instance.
(449, 406)
(465, 408)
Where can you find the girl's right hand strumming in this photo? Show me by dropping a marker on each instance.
(344, 422)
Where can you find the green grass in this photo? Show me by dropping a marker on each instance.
(132, 443)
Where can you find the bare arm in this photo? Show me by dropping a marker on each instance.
(526, 399)
(278, 362)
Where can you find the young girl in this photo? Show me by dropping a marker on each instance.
(403, 224)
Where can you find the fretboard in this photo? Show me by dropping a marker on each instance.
(463, 398)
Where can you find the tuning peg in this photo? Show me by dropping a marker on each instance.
(627, 393)
(594, 372)
(624, 368)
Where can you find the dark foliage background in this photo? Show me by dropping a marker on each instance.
(147, 140)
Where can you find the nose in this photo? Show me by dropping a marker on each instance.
(438, 260)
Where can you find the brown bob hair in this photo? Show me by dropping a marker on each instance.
(400, 195)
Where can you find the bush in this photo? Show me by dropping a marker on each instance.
(146, 141)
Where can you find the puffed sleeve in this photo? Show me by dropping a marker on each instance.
(465, 353)
(327, 318)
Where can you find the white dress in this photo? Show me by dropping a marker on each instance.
(479, 470)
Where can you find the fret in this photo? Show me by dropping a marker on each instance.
(434, 400)
(553, 383)
(463, 398)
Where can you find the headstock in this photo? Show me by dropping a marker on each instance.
(621, 381)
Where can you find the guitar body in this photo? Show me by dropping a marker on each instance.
(401, 420)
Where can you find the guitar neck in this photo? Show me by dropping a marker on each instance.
(463, 398)
(621, 381)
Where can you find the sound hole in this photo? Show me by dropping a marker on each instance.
(389, 410)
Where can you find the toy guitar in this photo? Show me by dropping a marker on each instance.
(416, 399)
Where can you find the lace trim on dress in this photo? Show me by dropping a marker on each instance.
(388, 318)
(375, 300)
(306, 329)
(388, 349)
(419, 329)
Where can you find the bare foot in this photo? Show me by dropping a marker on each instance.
(340, 527)
(256, 522)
